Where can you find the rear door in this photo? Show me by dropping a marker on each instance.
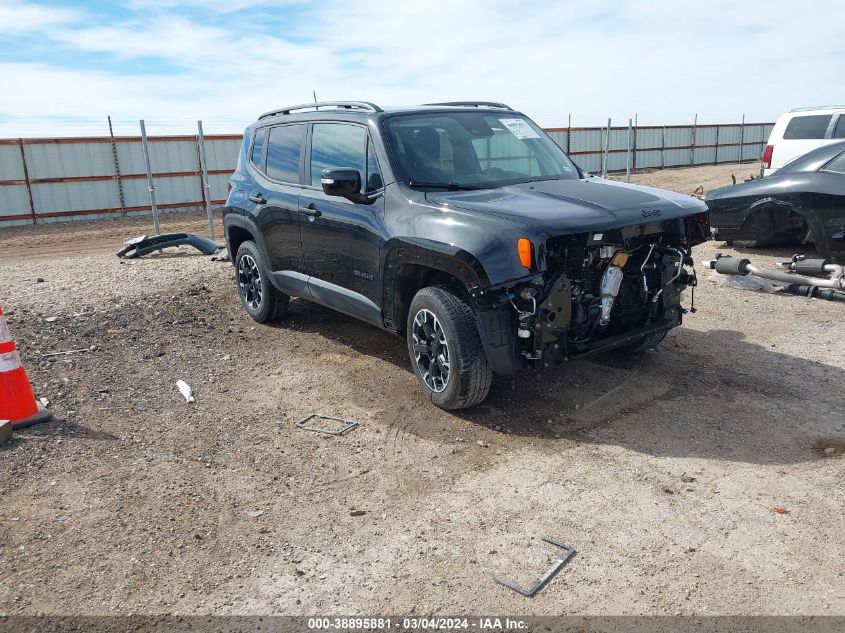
(341, 239)
(275, 194)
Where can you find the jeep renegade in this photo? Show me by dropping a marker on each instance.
(461, 227)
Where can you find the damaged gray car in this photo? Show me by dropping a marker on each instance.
(803, 201)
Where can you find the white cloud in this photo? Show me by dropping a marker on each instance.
(21, 19)
(665, 60)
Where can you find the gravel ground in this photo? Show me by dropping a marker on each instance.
(693, 480)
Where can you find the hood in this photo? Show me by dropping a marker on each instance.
(561, 207)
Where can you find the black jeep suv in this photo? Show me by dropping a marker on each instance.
(462, 227)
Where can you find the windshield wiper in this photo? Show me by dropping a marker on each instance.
(449, 186)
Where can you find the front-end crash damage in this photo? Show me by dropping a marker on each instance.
(593, 292)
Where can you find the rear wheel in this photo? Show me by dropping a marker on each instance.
(445, 349)
(260, 298)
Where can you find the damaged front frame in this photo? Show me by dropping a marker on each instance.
(555, 315)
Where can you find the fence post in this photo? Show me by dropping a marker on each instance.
(606, 151)
(28, 183)
(569, 135)
(206, 189)
(663, 147)
(117, 169)
(634, 158)
(741, 138)
(716, 155)
(692, 144)
(628, 153)
(150, 184)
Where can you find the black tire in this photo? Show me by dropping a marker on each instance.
(467, 381)
(644, 344)
(260, 298)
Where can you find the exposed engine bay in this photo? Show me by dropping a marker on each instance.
(606, 289)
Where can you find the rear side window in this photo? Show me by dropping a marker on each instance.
(283, 152)
(839, 130)
(807, 127)
(337, 146)
(837, 165)
(258, 147)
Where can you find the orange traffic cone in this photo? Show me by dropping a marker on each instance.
(17, 401)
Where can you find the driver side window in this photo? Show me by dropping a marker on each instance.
(337, 146)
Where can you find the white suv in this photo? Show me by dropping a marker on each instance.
(800, 131)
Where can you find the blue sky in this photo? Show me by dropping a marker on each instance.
(65, 66)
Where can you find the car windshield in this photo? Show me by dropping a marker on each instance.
(474, 150)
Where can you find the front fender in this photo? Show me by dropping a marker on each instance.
(493, 320)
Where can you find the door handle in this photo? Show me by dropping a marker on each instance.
(258, 198)
(311, 210)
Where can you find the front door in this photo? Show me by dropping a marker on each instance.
(340, 238)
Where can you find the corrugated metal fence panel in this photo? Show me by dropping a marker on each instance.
(68, 160)
(649, 159)
(559, 137)
(678, 136)
(11, 165)
(131, 157)
(74, 196)
(14, 204)
(14, 198)
(705, 135)
(728, 154)
(649, 138)
(704, 155)
(729, 134)
(222, 154)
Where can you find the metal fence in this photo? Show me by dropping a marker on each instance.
(659, 146)
(60, 179)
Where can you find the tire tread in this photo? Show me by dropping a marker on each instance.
(474, 373)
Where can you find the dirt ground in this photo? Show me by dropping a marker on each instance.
(693, 480)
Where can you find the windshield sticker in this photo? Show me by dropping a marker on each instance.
(519, 128)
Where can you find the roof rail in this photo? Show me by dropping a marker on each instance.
(824, 107)
(473, 104)
(361, 106)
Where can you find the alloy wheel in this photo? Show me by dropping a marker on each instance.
(249, 282)
(431, 350)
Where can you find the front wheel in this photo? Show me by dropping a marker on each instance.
(445, 349)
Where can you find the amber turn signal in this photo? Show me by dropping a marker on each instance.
(523, 247)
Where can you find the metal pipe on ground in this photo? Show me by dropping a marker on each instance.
(732, 266)
(813, 291)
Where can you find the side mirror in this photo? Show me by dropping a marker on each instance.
(345, 183)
